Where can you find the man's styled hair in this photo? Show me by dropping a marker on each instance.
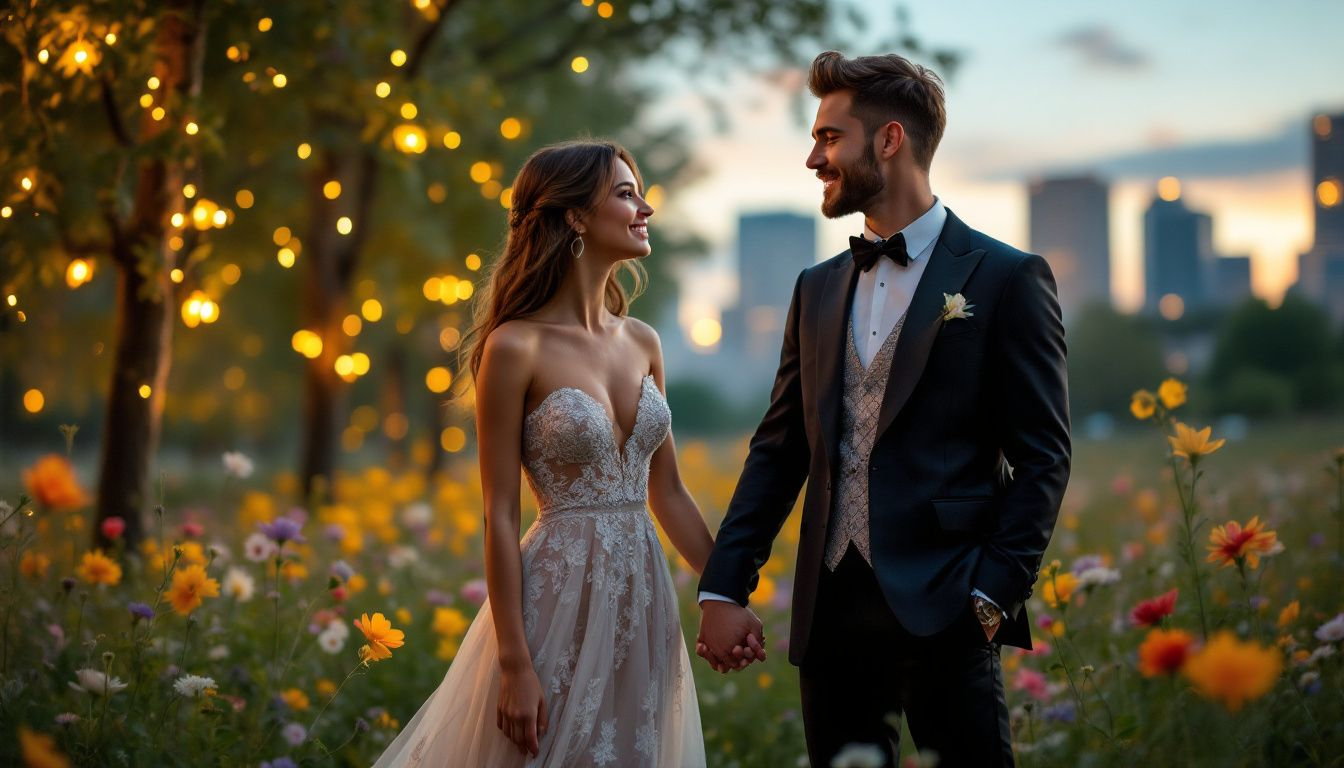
(887, 88)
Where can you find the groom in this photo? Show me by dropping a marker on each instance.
(921, 390)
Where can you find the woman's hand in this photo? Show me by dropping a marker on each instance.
(522, 711)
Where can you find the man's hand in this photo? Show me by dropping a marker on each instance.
(731, 637)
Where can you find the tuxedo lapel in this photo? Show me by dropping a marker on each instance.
(950, 264)
(832, 326)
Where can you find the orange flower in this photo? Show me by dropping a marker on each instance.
(34, 565)
(1289, 613)
(1163, 652)
(381, 636)
(1190, 444)
(1233, 672)
(52, 482)
(1230, 544)
(295, 699)
(98, 568)
(1058, 588)
(190, 585)
(39, 750)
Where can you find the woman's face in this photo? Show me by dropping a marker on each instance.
(619, 227)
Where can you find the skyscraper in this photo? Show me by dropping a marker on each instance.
(1321, 270)
(772, 249)
(1231, 280)
(1177, 254)
(1070, 225)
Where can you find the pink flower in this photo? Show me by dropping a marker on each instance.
(475, 592)
(338, 594)
(112, 528)
(192, 529)
(1032, 682)
(1150, 613)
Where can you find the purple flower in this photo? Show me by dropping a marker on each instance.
(281, 530)
(279, 762)
(334, 532)
(438, 598)
(1063, 712)
(1087, 562)
(1316, 540)
(140, 611)
(342, 570)
(361, 725)
(295, 734)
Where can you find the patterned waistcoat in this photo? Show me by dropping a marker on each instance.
(863, 393)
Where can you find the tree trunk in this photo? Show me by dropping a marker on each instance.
(329, 260)
(145, 302)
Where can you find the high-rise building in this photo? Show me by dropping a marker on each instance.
(772, 249)
(1321, 270)
(1177, 254)
(1070, 225)
(1231, 280)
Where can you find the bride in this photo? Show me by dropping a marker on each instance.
(577, 657)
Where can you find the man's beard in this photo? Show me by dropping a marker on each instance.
(858, 185)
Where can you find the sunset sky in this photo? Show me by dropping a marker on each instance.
(1133, 92)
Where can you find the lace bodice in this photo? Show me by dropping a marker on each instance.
(571, 457)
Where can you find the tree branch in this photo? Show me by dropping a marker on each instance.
(420, 50)
(114, 120)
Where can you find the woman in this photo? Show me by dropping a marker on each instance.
(577, 658)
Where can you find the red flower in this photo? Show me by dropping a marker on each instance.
(1150, 613)
(113, 527)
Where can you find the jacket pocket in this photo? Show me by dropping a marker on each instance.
(968, 515)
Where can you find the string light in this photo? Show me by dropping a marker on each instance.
(286, 257)
(605, 10)
(33, 400)
(372, 310)
(244, 199)
(452, 140)
(409, 111)
(383, 90)
(409, 138)
(176, 275)
(153, 83)
(344, 225)
(78, 273)
(511, 128)
(192, 129)
(480, 172)
(265, 24)
(279, 80)
(42, 56)
(304, 151)
(307, 343)
(145, 391)
(146, 100)
(178, 219)
(579, 64)
(331, 190)
(110, 38)
(473, 262)
(158, 113)
(189, 191)
(6, 212)
(27, 183)
(398, 58)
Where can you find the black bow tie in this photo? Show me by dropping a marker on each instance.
(866, 253)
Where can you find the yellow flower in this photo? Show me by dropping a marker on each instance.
(190, 585)
(1172, 393)
(294, 571)
(1058, 588)
(1233, 672)
(39, 750)
(448, 648)
(1190, 444)
(765, 680)
(1143, 405)
(52, 482)
(326, 687)
(98, 568)
(1289, 613)
(295, 699)
(34, 565)
(449, 622)
(381, 636)
(403, 616)
(357, 583)
(765, 591)
(1230, 544)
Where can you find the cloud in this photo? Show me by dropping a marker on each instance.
(1287, 149)
(1098, 47)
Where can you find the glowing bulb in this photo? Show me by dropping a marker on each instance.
(6, 212)
(344, 225)
(409, 111)
(265, 24)
(42, 56)
(452, 140)
(480, 172)
(706, 332)
(192, 129)
(398, 57)
(146, 391)
(352, 325)
(383, 90)
(438, 379)
(305, 150)
(511, 128)
(110, 38)
(153, 83)
(579, 64)
(27, 183)
(158, 114)
(189, 191)
(280, 81)
(176, 275)
(33, 400)
(409, 138)
(244, 198)
(331, 190)
(372, 310)
(286, 257)
(473, 262)
(605, 10)
(506, 197)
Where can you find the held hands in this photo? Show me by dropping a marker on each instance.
(522, 710)
(731, 637)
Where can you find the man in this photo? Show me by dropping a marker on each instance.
(921, 389)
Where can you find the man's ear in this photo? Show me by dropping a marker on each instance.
(890, 138)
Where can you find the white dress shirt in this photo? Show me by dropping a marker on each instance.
(882, 296)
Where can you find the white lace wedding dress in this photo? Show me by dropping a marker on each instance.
(599, 612)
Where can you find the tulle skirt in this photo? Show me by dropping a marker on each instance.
(601, 620)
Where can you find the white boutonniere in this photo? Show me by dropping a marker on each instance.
(956, 308)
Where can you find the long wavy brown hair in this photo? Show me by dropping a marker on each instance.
(570, 176)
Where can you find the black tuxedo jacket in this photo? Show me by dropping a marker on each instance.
(972, 450)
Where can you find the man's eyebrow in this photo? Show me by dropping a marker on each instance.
(825, 129)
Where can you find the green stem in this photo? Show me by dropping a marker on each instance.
(332, 698)
(1188, 511)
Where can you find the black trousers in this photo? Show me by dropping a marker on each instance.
(863, 672)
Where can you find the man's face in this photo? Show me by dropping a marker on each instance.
(843, 157)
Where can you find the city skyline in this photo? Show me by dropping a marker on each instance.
(1113, 92)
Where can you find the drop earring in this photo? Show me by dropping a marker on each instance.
(579, 251)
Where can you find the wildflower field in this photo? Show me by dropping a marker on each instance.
(1189, 612)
